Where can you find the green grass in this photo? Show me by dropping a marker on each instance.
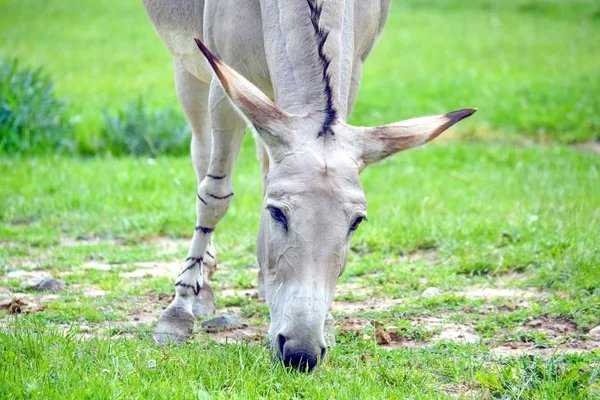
(505, 212)
(476, 212)
(485, 208)
(531, 66)
(138, 369)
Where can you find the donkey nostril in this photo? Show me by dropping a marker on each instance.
(280, 343)
(323, 351)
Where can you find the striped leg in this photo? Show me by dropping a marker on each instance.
(214, 195)
(193, 97)
(205, 303)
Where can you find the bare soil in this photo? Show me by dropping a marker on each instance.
(147, 308)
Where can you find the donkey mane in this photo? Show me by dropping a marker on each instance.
(322, 34)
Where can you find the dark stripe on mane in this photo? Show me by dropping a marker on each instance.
(329, 111)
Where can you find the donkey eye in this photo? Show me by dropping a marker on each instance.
(356, 223)
(278, 216)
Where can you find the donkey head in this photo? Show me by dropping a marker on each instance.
(313, 204)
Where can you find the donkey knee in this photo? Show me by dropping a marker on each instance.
(213, 202)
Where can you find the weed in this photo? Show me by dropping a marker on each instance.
(32, 118)
(137, 130)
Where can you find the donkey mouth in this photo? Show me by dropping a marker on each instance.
(300, 355)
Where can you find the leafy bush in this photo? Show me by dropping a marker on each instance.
(138, 131)
(32, 118)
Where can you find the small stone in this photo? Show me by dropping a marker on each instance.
(46, 283)
(51, 284)
(595, 331)
(31, 283)
(224, 322)
(430, 292)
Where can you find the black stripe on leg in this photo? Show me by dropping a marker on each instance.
(217, 177)
(201, 199)
(210, 255)
(196, 289)
(204, 229)
(192, 265)
(214, 196)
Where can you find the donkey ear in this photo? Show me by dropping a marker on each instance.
(383, 141)
(268, 119)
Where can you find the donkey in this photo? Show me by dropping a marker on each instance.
(291, 70)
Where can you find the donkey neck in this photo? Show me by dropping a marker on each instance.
(309, 47)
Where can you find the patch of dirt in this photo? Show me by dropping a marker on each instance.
(449, 331)
(168, 245)
(155, 269)
(98, 265)
(8, 243)
(365, 305)
(466, 390)
(354, 288)
(593, 146)
(352, 325)
(165, 244)
(69, 242)
(145, 315)
(236, 292)
(26, 274)
(19, 306)
(487, 293)
(423, 254)
(17, 303)
(517, 348)
(148, 308)
(552, 327)
(250, 334)
(5, 292)
(162, 298)
(89, 290)
(386, 336)
(388, 339)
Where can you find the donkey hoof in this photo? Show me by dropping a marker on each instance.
(175, 324)
(205, 303)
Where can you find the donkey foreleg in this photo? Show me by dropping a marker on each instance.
(214, 195)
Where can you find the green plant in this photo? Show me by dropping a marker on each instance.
(137, 130)
(32, 118)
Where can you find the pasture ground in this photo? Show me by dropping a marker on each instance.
(507, 234)
(502, 219)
